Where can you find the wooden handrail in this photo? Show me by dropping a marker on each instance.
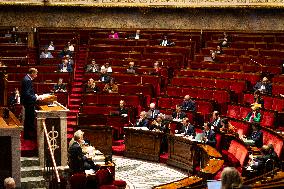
(51, 152)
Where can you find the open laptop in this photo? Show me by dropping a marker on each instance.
(214, 184)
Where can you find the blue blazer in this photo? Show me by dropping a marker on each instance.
(188, 105)
(143, 123)
(69, 67)
(27, 92)
(211, 138)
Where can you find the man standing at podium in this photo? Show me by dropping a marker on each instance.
(28, 100)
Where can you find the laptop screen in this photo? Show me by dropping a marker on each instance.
(214, 184)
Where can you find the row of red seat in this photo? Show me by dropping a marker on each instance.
(251, 77)
(237, 86)
(40, 88)
(219, 95)
(270, 102)
(268, 118)
(205, 107)
(235, 66)
(140, 42)
(43, 77)
(133, 79)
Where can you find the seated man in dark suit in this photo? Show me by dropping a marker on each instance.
(178, 114)
(104, 77)
(65, 52)
(137, 35)
(65, 66)
(122, 110)
(258, 163)
(131, 69)
(264, 86)
(78, 162)
(142, 121)
(216, 120)
(187, 128)
(166, 42)
(91, 87)
(153, 112)
(209, 135)
(188, 104)
(60, 86)
(93, 67)
(257, 135)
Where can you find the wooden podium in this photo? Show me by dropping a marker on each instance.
(55, 118)
(10, 153)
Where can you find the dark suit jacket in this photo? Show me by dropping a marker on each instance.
(216, 123)
(190, 130)
(122, 111)
(69, 67)
(257, 137)
(153, 114)
(90, 68)
(59, 87)
(188, 105)
(268, 87)
(211, 138)
(27, 92)
(105, 78)
(143, 123)
(76, 158)
(181, 115)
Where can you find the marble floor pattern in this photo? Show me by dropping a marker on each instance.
(140, 174)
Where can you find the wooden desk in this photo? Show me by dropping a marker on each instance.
(10, 154)
(100, 137)
(142, 144)
(182, 153)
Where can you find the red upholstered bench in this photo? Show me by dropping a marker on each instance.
(270, 137)
(236, 154)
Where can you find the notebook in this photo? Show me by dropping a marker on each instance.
(214, 184)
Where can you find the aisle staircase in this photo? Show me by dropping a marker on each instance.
(75, 96)
(31, 174)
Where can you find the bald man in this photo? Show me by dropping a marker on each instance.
(188, 104)
(264, 86)
(153, 112)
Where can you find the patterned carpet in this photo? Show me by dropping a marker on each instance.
(140, 174)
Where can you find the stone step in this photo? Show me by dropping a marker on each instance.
(31, 171)
(29, 161)
(33, 182)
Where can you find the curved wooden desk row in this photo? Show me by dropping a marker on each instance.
(183, 153)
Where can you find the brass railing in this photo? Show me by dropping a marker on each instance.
(50, 167)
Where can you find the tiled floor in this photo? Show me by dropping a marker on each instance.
(140, 174)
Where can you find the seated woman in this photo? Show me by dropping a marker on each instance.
(113, 35)
(111, 87)
(60, 86)
(254, 116)
(258, 101)
(91, 87)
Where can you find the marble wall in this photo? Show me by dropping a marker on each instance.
(225, 19)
